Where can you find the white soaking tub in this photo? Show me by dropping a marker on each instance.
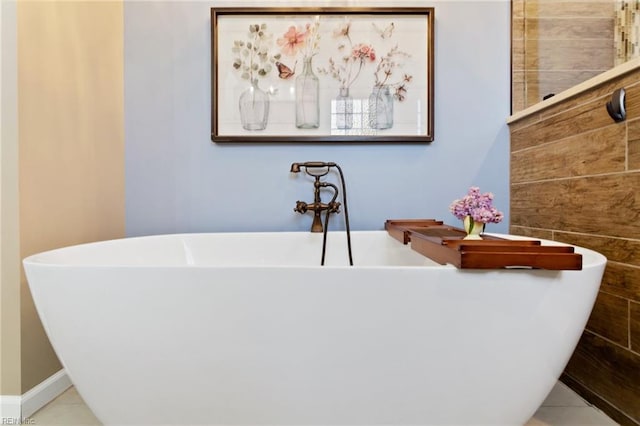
(248, 329)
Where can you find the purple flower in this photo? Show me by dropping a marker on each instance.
(477, 205)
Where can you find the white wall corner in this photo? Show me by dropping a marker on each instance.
(45, 392)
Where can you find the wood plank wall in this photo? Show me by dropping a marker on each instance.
(557, 44)
(575, 177)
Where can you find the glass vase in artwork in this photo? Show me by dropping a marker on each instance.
(307, 97)
(381, 108)
(254, 108)
(344, 109)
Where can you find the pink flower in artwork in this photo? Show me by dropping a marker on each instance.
(342, 30)
(292, 41)
(353, 57)
(363, 51)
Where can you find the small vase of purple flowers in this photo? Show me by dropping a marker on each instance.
(475, 210)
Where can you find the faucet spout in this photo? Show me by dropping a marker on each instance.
(316, 225)
(317, 208)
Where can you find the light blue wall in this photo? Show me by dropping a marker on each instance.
(177, 180)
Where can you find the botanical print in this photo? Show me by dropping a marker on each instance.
(353, 57)
(386, 75)
(251, 55)
(253, 60)
(304, 39)
(322, 74)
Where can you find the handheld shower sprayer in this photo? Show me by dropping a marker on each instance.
(295, 167)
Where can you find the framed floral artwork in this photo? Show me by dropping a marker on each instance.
(333, 74)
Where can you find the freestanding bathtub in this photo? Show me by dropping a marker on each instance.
(247, 329)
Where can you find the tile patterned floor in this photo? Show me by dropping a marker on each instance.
(561, 408)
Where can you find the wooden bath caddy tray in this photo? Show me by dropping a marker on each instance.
(445, 244)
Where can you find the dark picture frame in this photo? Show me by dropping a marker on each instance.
(332, 74)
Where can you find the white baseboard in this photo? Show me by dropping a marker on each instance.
(9, 408)
(43, 393)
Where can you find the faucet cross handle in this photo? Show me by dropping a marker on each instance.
(334, 207)
(301, 207)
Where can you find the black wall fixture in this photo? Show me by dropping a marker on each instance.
(616, 106)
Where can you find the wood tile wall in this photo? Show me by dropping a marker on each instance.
(557, 44)
(575, 177)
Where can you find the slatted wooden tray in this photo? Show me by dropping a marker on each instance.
(445, 244)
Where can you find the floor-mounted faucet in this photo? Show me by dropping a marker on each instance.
(317, 170)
